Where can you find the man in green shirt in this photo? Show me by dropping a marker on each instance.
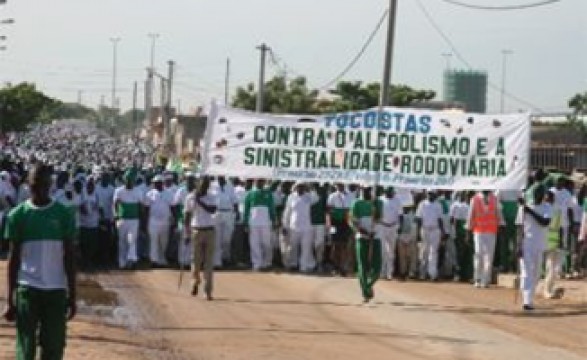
(364, 214)
(259, 218)
(41, 272)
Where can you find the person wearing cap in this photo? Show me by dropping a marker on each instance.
(533, 221)
(484, 221)
(430, 231)
(260, 218)
(388, 226)
(226, 209)
(297, 226)
(200, 207)
(158, 205)
(127, 208)
(364, 214)
(564, 201)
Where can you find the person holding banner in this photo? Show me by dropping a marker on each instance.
(391, 219)
(338, 205)
(364, 214)
(533, 221)
(484, 220)
(260, 217)
(431, 231)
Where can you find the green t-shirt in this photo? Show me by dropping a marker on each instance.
(318, 210)
(362, 211)
(41, 232)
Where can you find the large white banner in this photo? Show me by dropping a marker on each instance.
(409, 148)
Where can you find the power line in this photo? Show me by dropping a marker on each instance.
(459, 56)
(503, 7)
(356, 59)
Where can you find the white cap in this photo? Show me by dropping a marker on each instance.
(157, 178)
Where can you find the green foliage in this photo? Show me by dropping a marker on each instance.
(73, 111)
(576, 121)
(296, 97)
(22, 105)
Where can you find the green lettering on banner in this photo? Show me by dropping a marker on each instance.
(430, 165)
(406, 164)
(454, 166)
(392, 142)
(321, 139)
(484, 165)
(433, 145)
(413, 148)
(268, 157)
(365, 162)
(299, 155)
(442, 166)
(296, 135)
(259, 130)
(333, 163)
(283, 136)
(308, 138)
(271, 135)
(446, 148)
(323, 160)
(404, 143)
(355, 160)
(418, 164)
(500, 147)
(501, 168)
(482, 147)
(472, 167)
(371, 142)
(358, 143)
(340, 139)
(310, 159)
(286, 157)
(249, 156)
(388, 162)
(464, 146)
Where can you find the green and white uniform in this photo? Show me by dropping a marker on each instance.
(127, 202)
(368, 250)
(260, 216)
(42, 282)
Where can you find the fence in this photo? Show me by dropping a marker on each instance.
(562, 157)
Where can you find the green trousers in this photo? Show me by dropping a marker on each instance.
(368, 264)
(504, 258)
(42, 311)
(465, 251)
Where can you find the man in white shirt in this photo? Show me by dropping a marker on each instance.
(226, 208)
(240, 237)
(184, 255)
(297, 225)
(158, 206)
(564, 201)
(388, 226)
(200, 207)
(338, 205)
(89, 222)
(127, 208)
(533, 221)
(459, 213)
(431, 231)
(105, 193)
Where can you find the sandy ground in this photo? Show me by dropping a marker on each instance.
(282, 316)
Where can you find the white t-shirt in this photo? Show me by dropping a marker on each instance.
(200, 217)
(429, 213)
(563, 199)
(534, 234)
(339, 200)
(105, 197)
(225, 198)
(296, 215)
(159, 203)
(91, 218)
(459, 210)
(391, 210)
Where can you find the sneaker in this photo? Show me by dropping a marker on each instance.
(209, 296)
(195, 290)
(528, 307)
(477, 284)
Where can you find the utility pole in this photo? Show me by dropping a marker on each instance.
(447, 56)
(505, 54)
(134, 109)
(385, 98)
(261, 91)
(227, 82)
(79, 96)
(114, 60)
(167, 124)
(149, 87)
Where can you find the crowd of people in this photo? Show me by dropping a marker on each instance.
(128, 212)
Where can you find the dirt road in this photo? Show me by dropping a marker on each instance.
(282, 316)
(273, 316)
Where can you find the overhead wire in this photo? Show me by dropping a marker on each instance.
(459, 56)
(360, 54)
(501, 7)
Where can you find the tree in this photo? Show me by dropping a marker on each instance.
(22, 105)
(576, 121)
(73, 111)
(281, 97)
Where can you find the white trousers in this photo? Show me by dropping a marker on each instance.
(553, 270)
(319, 233)
(389, 237)
(159, 237)
(224, 230)
(483, 259)
(429, 252)
(304, 241)
(260, 243)
(128, 231)
(530, 266)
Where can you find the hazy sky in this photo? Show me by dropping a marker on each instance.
(63, 45)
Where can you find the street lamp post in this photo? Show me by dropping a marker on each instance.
(114, 60)
(385, 99)
(505, 53)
